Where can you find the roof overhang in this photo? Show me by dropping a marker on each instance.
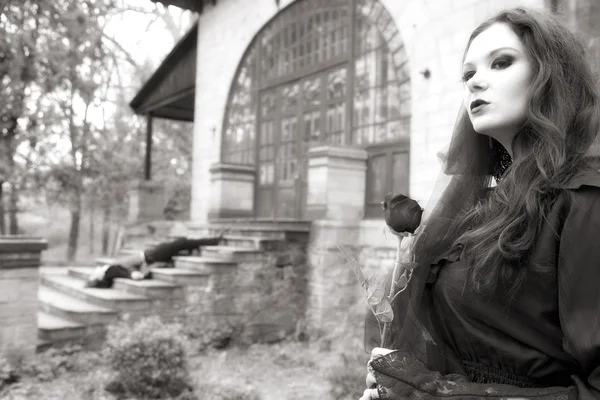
(170, 91)
(192, 5)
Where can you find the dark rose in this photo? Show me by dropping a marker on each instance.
(402, 214)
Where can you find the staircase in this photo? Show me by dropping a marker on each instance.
(70, 313)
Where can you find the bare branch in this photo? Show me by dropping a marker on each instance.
(167, 17)
(128, 57)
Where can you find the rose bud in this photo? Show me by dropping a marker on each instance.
(402, 214)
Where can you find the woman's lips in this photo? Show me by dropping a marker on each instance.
(478, 109)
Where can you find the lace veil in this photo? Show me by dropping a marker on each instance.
(469, 165)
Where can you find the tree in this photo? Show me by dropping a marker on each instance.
(20, 69)
(66, 126)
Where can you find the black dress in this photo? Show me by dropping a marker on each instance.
(547, 335)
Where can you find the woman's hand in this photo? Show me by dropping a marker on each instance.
(371, 391)
(370, 394)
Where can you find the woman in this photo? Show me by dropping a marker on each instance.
(505, 302)
(136, 266)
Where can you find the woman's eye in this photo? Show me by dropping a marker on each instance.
(467, 75)
(502, 63)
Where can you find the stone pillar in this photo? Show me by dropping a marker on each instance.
(146, 201)
(19, 275)
(333, 288)
(336, 183)
(232, 191)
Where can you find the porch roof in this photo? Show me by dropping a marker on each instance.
(193, 5)
(169, 93)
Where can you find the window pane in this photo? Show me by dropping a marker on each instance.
(377, 178)
(312, 92)
(365, 73)
(405, 110)
(336, 84)
(364, 103)
(336, 122)
(312, 131)
(364, 135)
(267, 103)
(398, 129)
(380, 133)
(286, 148)
(405, 90)
(381, 104)
(393, 101)
(289, 96)
(400, 172)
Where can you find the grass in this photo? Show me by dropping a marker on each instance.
(288, 370)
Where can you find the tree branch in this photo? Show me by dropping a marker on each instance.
(126, 53)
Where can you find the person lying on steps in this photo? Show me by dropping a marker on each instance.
(136, 266)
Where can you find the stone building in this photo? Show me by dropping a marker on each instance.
(312, 110)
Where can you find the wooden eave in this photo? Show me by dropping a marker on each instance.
(170, 91)
(192, 5)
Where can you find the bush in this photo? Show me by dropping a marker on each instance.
(45, 366)
(211, 334)
(150, 359)
(348, 380)
(56, 361)
(8, 373)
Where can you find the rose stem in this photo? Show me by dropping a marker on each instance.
(395, 275)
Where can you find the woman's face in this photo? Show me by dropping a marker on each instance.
(497, 77)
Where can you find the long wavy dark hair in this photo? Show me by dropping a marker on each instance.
(562, 123)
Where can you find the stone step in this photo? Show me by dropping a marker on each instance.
(62, 305)
(110, 298)
(181, 276)
(283, 229)
(204, 264)
(152, 288)
(82, 273)
(52, 328)
(42, 345)
(253, 242)
(231, 253)
(112, 260)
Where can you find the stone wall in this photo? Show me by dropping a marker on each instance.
(334, 296)
(261, 295)
(19, 276)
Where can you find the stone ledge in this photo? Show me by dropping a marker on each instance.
(22, 244)
(21, 251)
(232, 168)
(349, 153)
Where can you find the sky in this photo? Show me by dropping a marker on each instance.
(133, 32)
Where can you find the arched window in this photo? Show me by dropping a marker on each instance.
(320, 72)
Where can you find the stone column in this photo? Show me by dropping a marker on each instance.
(19, 275)
(335, 203)
(146, 201)
(333, 289)
(336, 183)
(232, 191)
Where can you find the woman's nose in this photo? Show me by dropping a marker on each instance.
(477, 83)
